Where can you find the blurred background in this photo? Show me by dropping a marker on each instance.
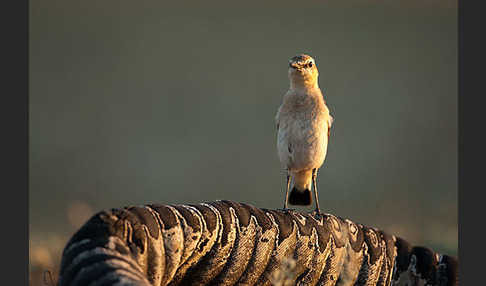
(150, 102)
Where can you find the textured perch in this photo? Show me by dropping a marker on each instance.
(229, 243)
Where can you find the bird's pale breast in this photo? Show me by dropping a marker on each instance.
(303, 131)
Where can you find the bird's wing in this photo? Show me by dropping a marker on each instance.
(329, 124)
(277, 118)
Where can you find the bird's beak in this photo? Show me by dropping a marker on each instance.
(294, 65)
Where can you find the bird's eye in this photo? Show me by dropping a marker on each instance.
(310, 64)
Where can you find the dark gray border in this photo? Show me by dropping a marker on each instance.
(460, 141)
(14, 138)
(471, 117)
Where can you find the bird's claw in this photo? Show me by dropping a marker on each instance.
(317, 214)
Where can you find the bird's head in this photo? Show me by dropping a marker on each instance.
(303, 72)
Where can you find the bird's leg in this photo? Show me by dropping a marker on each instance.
(314, 182)
(286, 203)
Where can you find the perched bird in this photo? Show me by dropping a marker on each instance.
(303, 129)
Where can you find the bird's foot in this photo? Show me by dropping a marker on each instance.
(317, 214)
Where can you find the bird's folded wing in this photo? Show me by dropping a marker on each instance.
(277, 118)
(329, 124)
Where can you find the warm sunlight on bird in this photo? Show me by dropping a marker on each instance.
(303, 124)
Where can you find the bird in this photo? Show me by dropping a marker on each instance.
(303, 123)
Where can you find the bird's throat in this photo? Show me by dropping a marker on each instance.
(303, 84)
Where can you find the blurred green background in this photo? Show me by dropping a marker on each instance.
(135, 102)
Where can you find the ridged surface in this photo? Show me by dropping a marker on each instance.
(229, 243)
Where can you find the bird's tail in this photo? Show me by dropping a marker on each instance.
(301, 191)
